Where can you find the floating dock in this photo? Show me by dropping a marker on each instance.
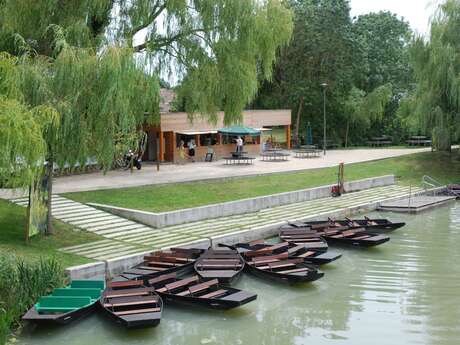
(415, 204)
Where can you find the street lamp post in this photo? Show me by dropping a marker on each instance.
(324, 85)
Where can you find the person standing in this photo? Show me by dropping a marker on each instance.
(239, 145)
(191, 150)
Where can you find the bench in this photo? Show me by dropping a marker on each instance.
(307, 153)
(181, 283)
(275, 156)
(380, 141)
(126, 304)
(61, 304)
(128, 292)
(88, 284)
(92, 293)
(123, 284)
(162, 278)
(306, 254)
(199, 287)
(239, 160)
(295, 270)
(137, 311)
(216, 293)
(418, 140)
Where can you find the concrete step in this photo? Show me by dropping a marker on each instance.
(110, 225)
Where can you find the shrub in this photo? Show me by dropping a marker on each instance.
(21, 284)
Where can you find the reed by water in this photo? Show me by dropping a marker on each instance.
(21, 284)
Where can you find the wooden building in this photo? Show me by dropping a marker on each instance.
(164, 140)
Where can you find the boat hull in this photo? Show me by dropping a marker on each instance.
(284, 278)
(32, 315)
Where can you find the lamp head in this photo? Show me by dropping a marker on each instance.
(324, 85)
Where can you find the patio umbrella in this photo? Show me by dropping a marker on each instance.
(239, 130)
(309, 135)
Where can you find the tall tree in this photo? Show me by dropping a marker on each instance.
(385, 39)
(323, 49)
(435, 104)
(95, 64)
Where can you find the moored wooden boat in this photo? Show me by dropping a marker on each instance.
(223, 264)
(68, 304)
(310, 256)
(132, 304)
(179, 260)
(195, 291)
(281, 268)
(354, 237)
(371, 225)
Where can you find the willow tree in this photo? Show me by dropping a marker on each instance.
(435, 104)
(365, 108)
(93, 66)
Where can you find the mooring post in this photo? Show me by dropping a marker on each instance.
(410, 194)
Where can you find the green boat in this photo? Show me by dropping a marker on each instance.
(68, 304)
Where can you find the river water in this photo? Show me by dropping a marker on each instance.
(406, 291)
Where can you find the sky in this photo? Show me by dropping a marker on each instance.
(416, 12)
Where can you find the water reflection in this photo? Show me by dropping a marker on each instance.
(405, 292)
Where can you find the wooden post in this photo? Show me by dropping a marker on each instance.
(162, 146)
(219, 139)
(197, 140)
(288, 136)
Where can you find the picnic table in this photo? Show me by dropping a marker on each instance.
(275, 155)
(239, 158)
(419, 140)
(380, 141)
(307, 153)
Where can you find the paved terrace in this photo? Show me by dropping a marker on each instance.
(172, 173)
(124, 237)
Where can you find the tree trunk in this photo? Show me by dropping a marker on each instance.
(346, 133)
(297, 123)
(48, 181)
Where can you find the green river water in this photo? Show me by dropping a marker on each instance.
(406, 291)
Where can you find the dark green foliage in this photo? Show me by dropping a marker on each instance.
(21, 284)
(360, 56)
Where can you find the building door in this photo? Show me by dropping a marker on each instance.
(170, 146)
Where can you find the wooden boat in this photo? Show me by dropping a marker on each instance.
(355, 237)
(224, 264)
(178, 260)
(293, 251)
(371, 225)
(195, 291)
(132, 304)
(68, 304)
(312, 241)
(281, 268)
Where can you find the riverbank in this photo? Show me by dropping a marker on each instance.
(12, 223)
(409, 170)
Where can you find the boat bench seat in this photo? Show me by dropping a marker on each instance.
(295, 249)
(296, 270)
(306, 254)
(213, 261)
(234, 266)
(217, 274)
(88, 284)
(163, 278)
(213, 294)
(199, 287)
(124, 304)
(137, 311)
(61, 304)
(92, 293)
(361, 237)
(124, 284)
(128, 292)
(178, 284)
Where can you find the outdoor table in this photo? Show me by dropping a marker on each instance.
(238, 154)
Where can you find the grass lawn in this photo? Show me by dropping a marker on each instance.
(408, 169)
(12, 222)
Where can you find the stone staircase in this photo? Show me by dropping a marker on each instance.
(125, 237)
